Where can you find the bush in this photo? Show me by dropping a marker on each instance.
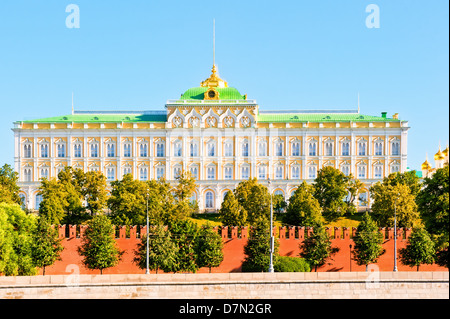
(291, 264)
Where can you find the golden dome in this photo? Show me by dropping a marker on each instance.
(445, 152)
(426, 165)
(439, 156)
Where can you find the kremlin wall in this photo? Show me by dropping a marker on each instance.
(235, 239)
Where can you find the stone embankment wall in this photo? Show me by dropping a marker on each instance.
(323, 285)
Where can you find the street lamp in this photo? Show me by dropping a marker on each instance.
(395, 234)
(147, 270)
(271, 230)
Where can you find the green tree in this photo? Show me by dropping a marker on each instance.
(330, 189)
(303, 208)
(16, 241)
(9, 191)
(291, 264)
(185, 235)
(94, 191)
(419, 250)
(99, 249)
(209, 248)
(254, 198)
(368, 242)
(46, 245)
(409, 179)
(316, 249)
(279, 204)
(354, 188)
(257, 249)
(162, 250)
(53, 201)
(433, 203)
(388, 199)
(231, 213)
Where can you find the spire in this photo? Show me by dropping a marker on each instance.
(214, 80)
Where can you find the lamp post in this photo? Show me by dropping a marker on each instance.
(271, 230)
(395, 235)
(147, 270)
(350, 256)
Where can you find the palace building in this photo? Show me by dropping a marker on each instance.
(217, 134)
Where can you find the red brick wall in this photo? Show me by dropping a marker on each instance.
(234, 241)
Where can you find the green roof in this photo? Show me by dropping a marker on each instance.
(319, 117)
(103, 118)
(198, 93)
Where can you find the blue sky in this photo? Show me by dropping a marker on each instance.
(134, 55)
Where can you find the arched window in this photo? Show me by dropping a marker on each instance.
(143, 174)
(295, 172)
(193, 149)
(279, 172)
(245, 172)
(209, 199)
(245, 148)
(345, 148)
(177, 149)
(228, 147)
(27, 175)
(395, 148)
(378, 148)
(110, 150)
(262, 146)
(27, 151)
(328, 149)
(44, 150)
(262, 172)
(160, 149)
(94, 150)
(143, 150)
(312, 172)
(211, 172)
(279, 149)
(312, 149)
(296, 149)
(38, 201)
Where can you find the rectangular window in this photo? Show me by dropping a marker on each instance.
(77, 150)
(296, 149)
(94, 150)
(346, 170)
(361, 172)
(44, 150)
(279, 149)
(262, 172)
(396, 148)
(160, 150)
(328, 149)
(159, 172)
(245, 172)
(211, 173)
(378, 149)
(362, 149)
(279, 172)
(228, 149)
(127, 150)
(110, 150)
(228, 172)
(296, 172)
(312, 149)
(176, 172)
(346, 149)
(143, 150)
(27, 151)
(262, 149)
(194, 149)
(312, 172)
(378, 171)
(143, 174)
(126, 170)
(211, 150)
(110, 174)
(61, 148)
(245, 149)
(194, 172)
(177, 149)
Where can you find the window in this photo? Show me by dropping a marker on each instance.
(262, 148)
(378, 148)
(110, 150)
(126, 170)
(312, 149)
(362, 200)
(296, 149)
(228, 172)
(279, 149)
(312, 172)
(228, 149)
(209, 200)
(193, 149)
(77, 150)
(211, 149)
(245, 172)
(378, 171)
(127, 150)
(94, 150)
(159, 172)
(211, 173)
(361, 172)
(177, 149)
(262, 172)
(328, 149)
(61, 150)
(110, 174)
(143, 174)
(27, 151)
(395, 168)
(346, 149)
(395, 148)
(176, 172)
(295, 172)
(160, 150)
(346, 170)
(27, 175)
(194, 172)
(362, 148)
(23, 201)
(143, 150)
(245, 148)
(38, 201)
(279, 172)
(44, 150)
(44, 172)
